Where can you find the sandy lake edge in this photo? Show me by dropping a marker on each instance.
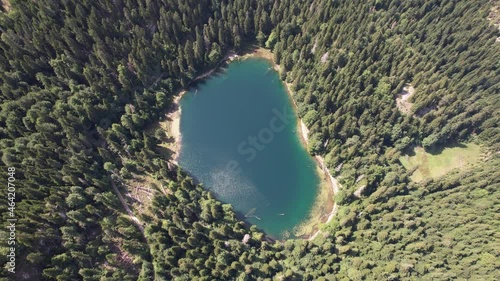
(173, 120)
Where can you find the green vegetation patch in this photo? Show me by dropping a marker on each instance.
(436, 162)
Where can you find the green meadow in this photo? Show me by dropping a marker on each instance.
(434, 163)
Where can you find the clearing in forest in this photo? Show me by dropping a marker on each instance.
(494, 17)
(437, 162)
(402, 99)
(6, 5)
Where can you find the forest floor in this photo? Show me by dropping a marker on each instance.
(6, 5)
(494, 17)
(438, 162)
(131, 214)
(402, 99)
(141, 190)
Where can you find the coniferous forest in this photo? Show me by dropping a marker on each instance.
(81, 80)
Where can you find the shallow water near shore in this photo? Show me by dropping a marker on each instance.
(239, 140)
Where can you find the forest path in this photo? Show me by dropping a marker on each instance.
(136, 221)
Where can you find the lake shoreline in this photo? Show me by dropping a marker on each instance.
(174, 113)
(174, 126)
(309, 229)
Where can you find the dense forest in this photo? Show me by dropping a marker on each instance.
(80, 80)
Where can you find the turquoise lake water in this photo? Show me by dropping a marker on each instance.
(239, 140)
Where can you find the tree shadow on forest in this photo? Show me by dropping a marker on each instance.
(166, 152)
(438, 149)
(410, 151)
(433, 150)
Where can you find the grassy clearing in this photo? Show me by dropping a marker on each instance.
(437, 162)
